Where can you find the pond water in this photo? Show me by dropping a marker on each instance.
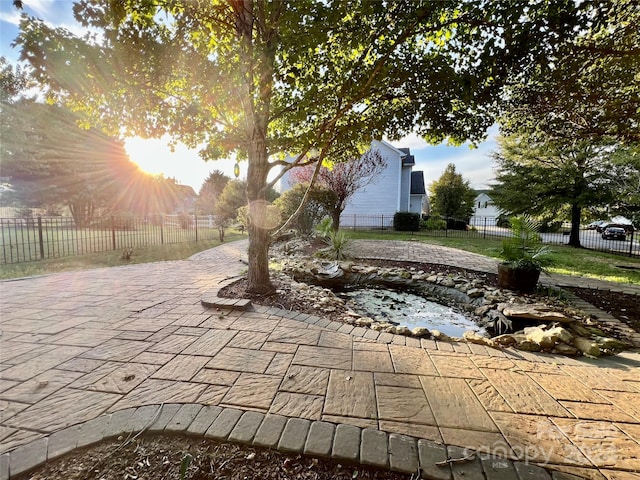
(404, 308)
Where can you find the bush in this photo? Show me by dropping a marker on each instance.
(456, 224)
(314, 211)
(406, 222)
(433, 223)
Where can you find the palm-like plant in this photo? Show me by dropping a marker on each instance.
(524, 249)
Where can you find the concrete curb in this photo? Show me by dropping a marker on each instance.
(343, 443)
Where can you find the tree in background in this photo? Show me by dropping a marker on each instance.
(570, 126)
(262, 78)
(451, 196)
(344, 178)
(315, 209)
(210, 191)
(48, 160)
(553, 179)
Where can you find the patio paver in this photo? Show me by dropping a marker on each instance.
(86, 355)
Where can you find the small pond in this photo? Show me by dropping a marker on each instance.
(404, 308)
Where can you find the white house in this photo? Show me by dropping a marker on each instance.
(396, 189)
(484, 210)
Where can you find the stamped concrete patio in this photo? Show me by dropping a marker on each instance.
(91, 354)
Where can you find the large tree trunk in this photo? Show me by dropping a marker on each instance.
(335, 220)
(574, 236)
(258, 58)
(258, 280)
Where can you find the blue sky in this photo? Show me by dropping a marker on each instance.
(154, 156)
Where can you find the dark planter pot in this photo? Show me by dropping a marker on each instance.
(518, 279)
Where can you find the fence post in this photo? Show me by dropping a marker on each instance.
(113, 231)
(195, 215)
(631, 245)
(484, 233)
(382, 223)
(161, 228)
(40, 238)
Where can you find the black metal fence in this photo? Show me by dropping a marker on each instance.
(38, 238)
(487, 228)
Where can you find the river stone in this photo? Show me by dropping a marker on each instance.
(420, 332)
(563, 349)
(481, 311)
(475, 292)
(505, 340)
(587, 346)
(474, 337)
(536, 311)
(403, 330)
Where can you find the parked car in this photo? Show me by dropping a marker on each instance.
(614, 233)
(595, 225)
(628, 228)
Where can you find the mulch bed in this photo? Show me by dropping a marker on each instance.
(160, 457)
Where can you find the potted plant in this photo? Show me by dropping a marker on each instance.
(524, 256)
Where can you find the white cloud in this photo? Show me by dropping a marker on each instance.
(12, 17)
(43, 8)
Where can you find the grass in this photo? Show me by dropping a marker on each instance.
(567, 260)
(154, 253)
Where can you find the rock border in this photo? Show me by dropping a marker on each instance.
(338, 442)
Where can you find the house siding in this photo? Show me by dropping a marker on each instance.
(380, 198)
(484, 211)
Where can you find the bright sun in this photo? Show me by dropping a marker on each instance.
(155, 157)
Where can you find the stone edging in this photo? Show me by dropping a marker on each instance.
(339, 442)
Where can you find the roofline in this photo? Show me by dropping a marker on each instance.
(388, 145)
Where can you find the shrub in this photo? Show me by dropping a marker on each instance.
(456, 224)
(406, 222)
(325, 227)
(336, 246)
(434, 223)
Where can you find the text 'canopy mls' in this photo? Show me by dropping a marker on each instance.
(263, 78)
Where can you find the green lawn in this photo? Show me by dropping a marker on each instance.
(153, 253)
(568, 260)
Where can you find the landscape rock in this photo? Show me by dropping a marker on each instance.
(403, 330)
(608, 343)
(475, 292)
(564, 349)
(421, 332)
(505, 340)
(536, 311)
(587, 346)
(474, 337)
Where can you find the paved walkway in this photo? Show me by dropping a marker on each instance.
(128, 346)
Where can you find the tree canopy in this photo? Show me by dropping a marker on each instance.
(260, 78)
(572, 128)
(451, 196)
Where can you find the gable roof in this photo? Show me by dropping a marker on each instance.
(417, 183)
(407, 159)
